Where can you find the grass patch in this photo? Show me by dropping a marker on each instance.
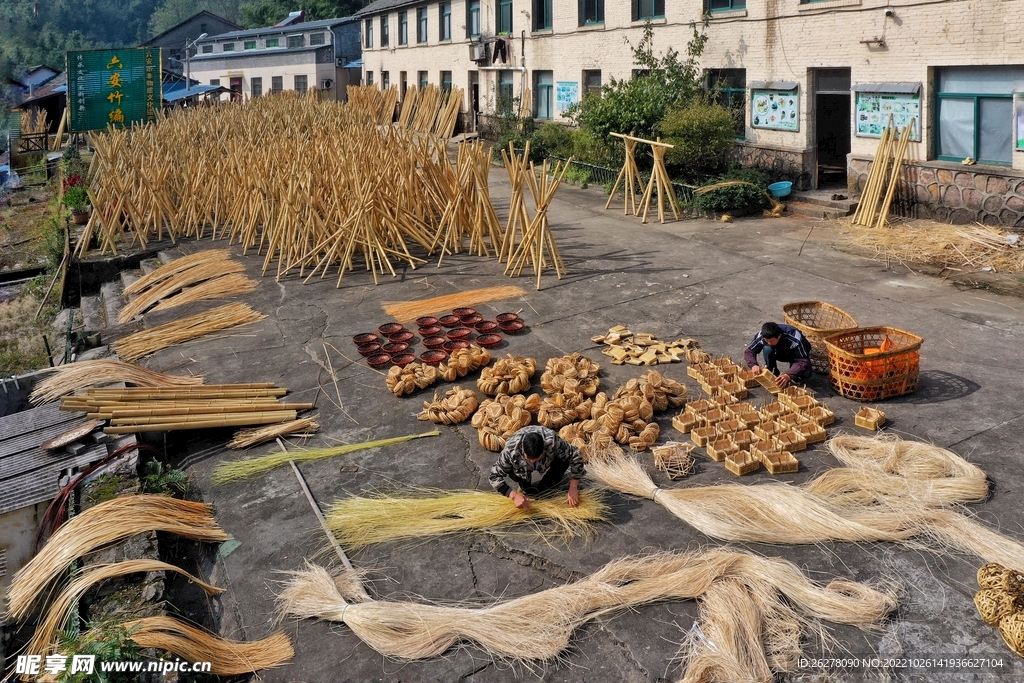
(21, 335)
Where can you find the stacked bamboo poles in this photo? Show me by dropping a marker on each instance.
(379, 104)
(409, 630)
(408, 106)
(101, 525)
(67, 379)
(629, 177)
(517, 168)
(149, 341)
(469, 212)
(883, 176)
(164, 289)
(538, 246)
(894, 178)
(659, 184)
(131, 410)
(250, 437)
(407, 311)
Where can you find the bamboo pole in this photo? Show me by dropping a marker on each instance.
(894, 178)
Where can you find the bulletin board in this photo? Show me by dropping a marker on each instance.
(775, 109)
(874, 108)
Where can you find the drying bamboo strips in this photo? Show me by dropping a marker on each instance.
(176, 266)
(67, 379)
(149, 341)
(407, 311)
(250, 437)
(166, 288)
(216, 288)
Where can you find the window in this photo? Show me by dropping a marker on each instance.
(228, 47)
(249, 45)
(385, 31)
(728, 87)
(276, 84)
(256, 85)
(445, 21)
(543, 86)
(446, 80)
(300, 83)
(473, 18)
(214, 81)
(273, 42)
(591, 12)
(207, 49)
(403, 83)
(421, 77)
(505, 16)
(505, 99)
(648, 9)
(403, 28)
(421, 24)
(300, 41)
(975, 111)
(385, 79)
(592, 81)
(541, 15)
(176, 54)
(726, 5)
(368, 41)
(316, 39)
(369, 78)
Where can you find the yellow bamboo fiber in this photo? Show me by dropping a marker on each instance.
(88, 373)
(175, 266)
(60, 609)
(100, 525)
(235, 470)
(191, 276)
(149, 341)
(408, 630)
(217, 288)
(250, 437)
(226, 657)
(405, 311)
(358, 521)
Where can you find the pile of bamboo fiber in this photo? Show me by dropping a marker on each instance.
(133, 410)
(149, 341)
(407, 311)
(884, 176)
(199, 274)
(410, 630)
(67, 379)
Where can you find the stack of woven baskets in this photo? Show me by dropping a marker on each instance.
(1001, 603)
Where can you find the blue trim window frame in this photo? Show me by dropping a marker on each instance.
(444, 21)
(506, 96)
(725, 5)
(541, 15)
(728, 87)
(648, 9)
(543, 88)
(446, 80)
(591, 12)
(421, 24)
(976, 111)
(422, 79)
(385, 31)
(473, 19)
(368, 41)
(504, 17)
(385, 80)
(403, 28)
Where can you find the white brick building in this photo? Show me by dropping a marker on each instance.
(952, 65)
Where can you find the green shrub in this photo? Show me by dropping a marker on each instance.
(551, 139)
(578, 176)
(750, 196)
(703, 135)
(108, 642)
(76, 198)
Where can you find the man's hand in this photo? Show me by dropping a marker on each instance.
(521, 501)
(783, 380)
(573, 499)
(756, 368)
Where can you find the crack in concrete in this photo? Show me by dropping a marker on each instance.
(472, 570)
(466, 452)
(475, 671)
(624, 648)
(527, 559)
(985, 431)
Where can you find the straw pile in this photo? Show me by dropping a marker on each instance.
(67, 379)
(359, 521)
(236, 470)
(174, 267)
(951, 246)
(101, 525)
(226, 657)
(889, 490)
(250, 437)
(408, 630)
(407, 311)
(165, 289)
(149, 341)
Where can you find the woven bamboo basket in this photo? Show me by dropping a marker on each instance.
(817, 320)
(861, 370)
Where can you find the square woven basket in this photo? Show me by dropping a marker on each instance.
(862, 374)
(817, 320)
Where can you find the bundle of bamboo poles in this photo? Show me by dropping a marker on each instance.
(137, 345)
(538, 246)
(139, 409)
(883, 178)
(469, 212)
(380, 104)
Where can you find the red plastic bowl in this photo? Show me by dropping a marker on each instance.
(379, 360)
(426, 321)
(455, 345)
(449, 321)
(434, 342)
(403, 336)
(485, 326)
(394, 347)
(390, 328)
(471, 319)
(488, 341)
(505, 317)
(512, 326)
(464, 311)
(431, 331)
(364, 338)
(368, 349)
(459, 333)
(403, 359)
(433, 357)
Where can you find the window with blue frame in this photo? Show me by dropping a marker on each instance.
(728, 87)
(446, 80)
(541, 15)
(445, 21)
(421, 24)
(403, 28)
(505, 93)
(369, 33)
(504, 17)
(543, 88)
(648, 9)
(473, 18)
(385, 31)
(974, 113)
(591, 12)
(725, 5)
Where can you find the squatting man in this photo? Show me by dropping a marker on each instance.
(781, 343)
(535, 459)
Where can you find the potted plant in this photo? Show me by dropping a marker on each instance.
(76, 198)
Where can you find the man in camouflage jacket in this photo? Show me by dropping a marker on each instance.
(535, 459)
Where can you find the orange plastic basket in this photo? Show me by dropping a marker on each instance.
(873, 363)
(817, 320)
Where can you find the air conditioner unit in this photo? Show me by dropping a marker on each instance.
(326, 84)
(478, 52)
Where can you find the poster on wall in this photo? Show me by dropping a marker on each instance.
(567, 93)
(873, 110)
(775, 109)
(1018, 117)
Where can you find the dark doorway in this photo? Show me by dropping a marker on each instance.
(236, 88)
(474, 96)
(832, 125)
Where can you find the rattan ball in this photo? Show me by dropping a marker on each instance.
(1011, 628)
(994, 604)
(993, 575)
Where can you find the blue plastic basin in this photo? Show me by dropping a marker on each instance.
(780, 189)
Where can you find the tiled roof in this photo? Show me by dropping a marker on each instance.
(293, 28)
(379, 6)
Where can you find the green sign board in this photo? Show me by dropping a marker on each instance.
(113, 87)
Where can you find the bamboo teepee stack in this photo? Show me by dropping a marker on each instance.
(883, 178)
(538, 247)
(629, 177)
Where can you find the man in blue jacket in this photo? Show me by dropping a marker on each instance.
(781, 343)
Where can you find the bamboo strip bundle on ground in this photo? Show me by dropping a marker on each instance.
(949, 246)
(67, 379)
(149, 341)
(408, 630)
(167, 288)
(174, 267)
(360, 521)
(216, 288)
(101, 525)
(406, 311)
(251, 437)
(244, 468)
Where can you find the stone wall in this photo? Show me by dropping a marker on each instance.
(779, 163)
(952, 193)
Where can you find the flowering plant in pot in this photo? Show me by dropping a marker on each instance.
(75, 196)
